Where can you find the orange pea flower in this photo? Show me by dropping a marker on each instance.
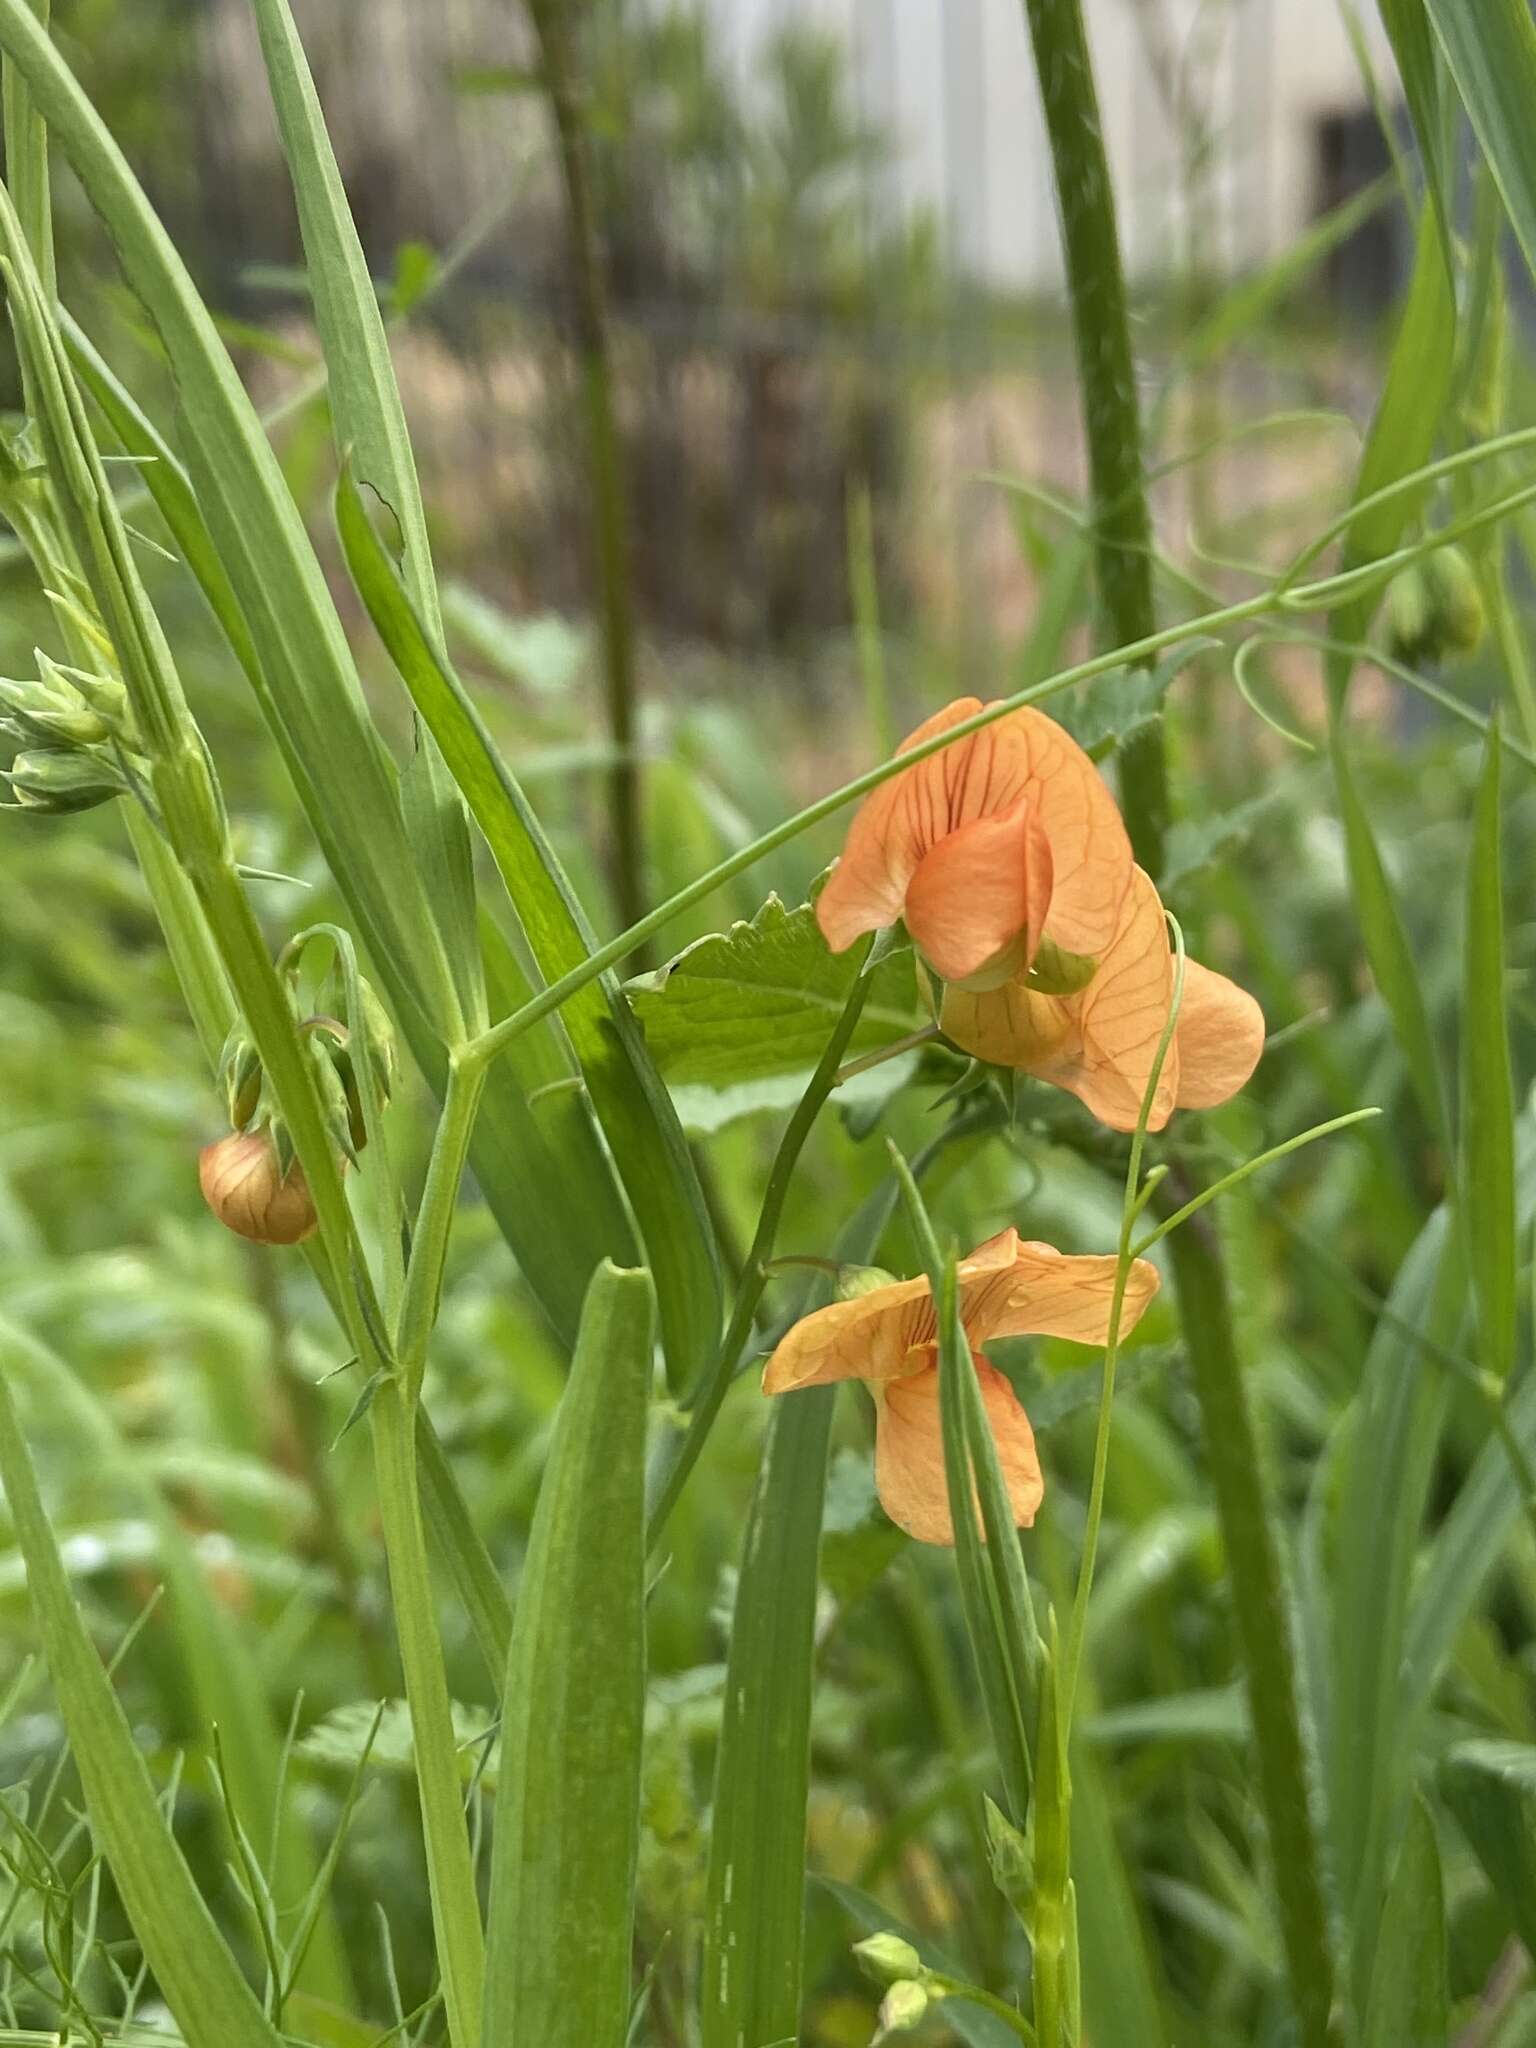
(984, 847)
(889, 1339)
(1100, 1043)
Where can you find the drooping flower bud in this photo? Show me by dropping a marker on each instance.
(244, 1184)
(1435, 609)
(902, 2008)
(241, 1072)
(888, 1959)
(60, 781)
(852, 1281)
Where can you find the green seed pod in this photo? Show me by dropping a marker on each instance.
(1435, 609)
(59, 782)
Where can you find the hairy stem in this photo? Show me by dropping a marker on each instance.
(605, 452)
(1124, 567)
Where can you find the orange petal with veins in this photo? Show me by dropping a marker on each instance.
(1219, 1035)
(909, 1453)
(868, 1338)
(979, 890)
(1047, 1293)
(1023, 754)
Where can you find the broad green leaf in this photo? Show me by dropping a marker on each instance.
(632, 1105)
(369, 421)
(1420, 69)
(558, 1933)
(1491, 1789)
(556, 1203)
(1386, 942)
(755, 1003)
(755, 1904)
(1409, 2005)
(1120, 1990)
(1491, 50)
(199, 1978)
(1486, 1181)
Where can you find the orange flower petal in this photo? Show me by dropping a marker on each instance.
(909, 1453)
(894, 827)
(1024, 754)
(868, 1338)
(979, 889)
(1047, 1293)
(1090, 851)
(1219, 1036)
(1100, 1043)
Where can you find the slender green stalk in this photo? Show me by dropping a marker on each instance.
(552, 21)
(460, 1942)
(1130, 1209)
(1114, 437)
(1241, 1173)
(1106, 372)
(434, 1220)
(707, 1398)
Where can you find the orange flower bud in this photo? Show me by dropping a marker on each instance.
(246, 1189)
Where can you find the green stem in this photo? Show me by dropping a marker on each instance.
(605, 453)
(455, 1904)
(1106, 374)
(1263, 1621)
(1124, 570)
(434, 1219)
(754, 1276)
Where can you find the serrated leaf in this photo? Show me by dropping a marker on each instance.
(755, 1003)
(1197, 843)
(1103, 715)
(341, 1740)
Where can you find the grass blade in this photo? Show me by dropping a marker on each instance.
(544, 1174)
(198, 1976)
(1491, 1789)
(1410, 1998)
(567, 1823)
(1486, 1180)
(628, 1095)
(369, 421)
(1419, 66)
(1491, 51)
(755, 1904)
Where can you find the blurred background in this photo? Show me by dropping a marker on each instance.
(845, 386)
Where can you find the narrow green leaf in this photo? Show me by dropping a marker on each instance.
(369, 421)
(755, 1904)
(632, 1105)
(1386, 942)
(201, 1982)
(1486, 1182)
(567, 1820)
(223, 1684)
(1120, 1991)
(1420, 69)
(994, 1590)
(1491, 50)
(1394, 1430)
(1402, 436)
(557, 1204)
(1491, 1789)
(1409, 2005)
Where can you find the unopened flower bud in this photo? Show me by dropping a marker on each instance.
(242, 1082)
(888, 1959)
(1009, 1854)
(902, 2008)
(853, 1281)
(244, 1185)
(104, 696)
(55, 780)
(1435, 609)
